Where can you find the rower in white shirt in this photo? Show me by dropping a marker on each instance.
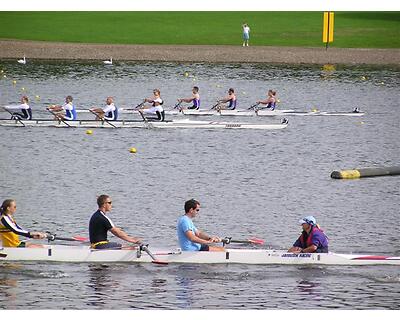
(22, 111)
(109, 112)
(64, 112)
(156, 106)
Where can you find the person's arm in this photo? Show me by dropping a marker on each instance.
(224, 100)
(296, 247)
(186, 100)
(197, 237)
(10, 225)
(205, 236)
(310, 249)
(264, 101)
(19, 107)
(124, 236)
(97, 110)
(55, 108)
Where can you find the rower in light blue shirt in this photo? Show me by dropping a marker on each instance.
(190, 238)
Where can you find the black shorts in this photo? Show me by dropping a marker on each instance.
(22, 244)
(204, 247)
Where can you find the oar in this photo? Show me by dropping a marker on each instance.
(140, 104)
(215, 105)
(153, 258)
(103, 119)
(143, 116)
(59, 119)
(228, 240)
(253, 106)
(52, 237)
(177, 105)
(14, 118)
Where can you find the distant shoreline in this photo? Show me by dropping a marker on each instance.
(15, 49)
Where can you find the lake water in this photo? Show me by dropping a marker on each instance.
(249, 183)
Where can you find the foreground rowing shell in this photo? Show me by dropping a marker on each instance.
(60, 253)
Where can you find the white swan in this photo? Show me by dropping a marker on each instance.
(108, 61)
(22, 61)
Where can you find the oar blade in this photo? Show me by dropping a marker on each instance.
(256, 241)
(153, 258)
(77, 238)
(159, 262)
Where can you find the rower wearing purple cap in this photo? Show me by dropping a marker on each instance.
(312, 239)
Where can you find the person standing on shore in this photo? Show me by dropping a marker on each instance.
(246, 34)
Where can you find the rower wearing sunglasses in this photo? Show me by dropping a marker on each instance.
(100, 224)
(190, 238)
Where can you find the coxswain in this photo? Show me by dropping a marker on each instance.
(312, 238)
(10, 230)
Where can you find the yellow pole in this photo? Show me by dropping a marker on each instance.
(327, 29)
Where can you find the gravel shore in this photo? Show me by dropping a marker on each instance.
(12, 49)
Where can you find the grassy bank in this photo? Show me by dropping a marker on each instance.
(352, 29)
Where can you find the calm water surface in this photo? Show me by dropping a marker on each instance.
(249, 183)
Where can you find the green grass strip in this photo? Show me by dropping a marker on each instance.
(352, 29)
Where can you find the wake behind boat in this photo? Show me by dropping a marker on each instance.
(84, 254)
(183, 124)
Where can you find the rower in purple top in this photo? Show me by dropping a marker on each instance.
(230, 99)
(270, 102)
(312, 239)
(195, 99)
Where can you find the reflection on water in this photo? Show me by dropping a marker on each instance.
(185, 294)
(101, 283)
